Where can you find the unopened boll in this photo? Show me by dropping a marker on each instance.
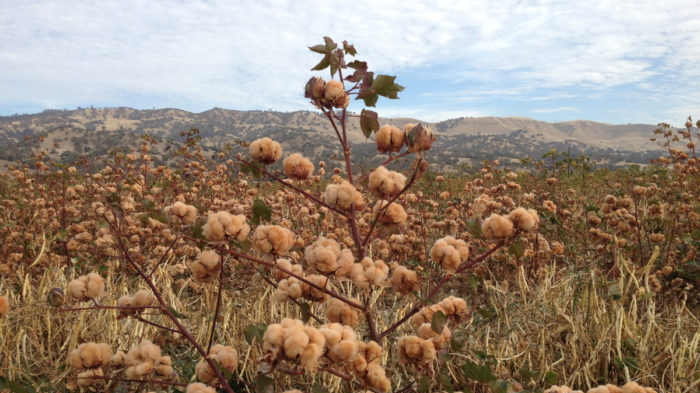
(341, 312)
(389, 139)
(199, 388)
(223, 224)
(386, 184)
(418, 137)
(344, 196)
(497, 226)
(405, 280)
(326, 256)
(90, 286)
(182, 212)
(89, 355)
(272, 239)
(413, 349)
(449, 253)
(393, 215)
(297, 166)
(524, 219)
(206, 266)
(225, 355)
(265, 150)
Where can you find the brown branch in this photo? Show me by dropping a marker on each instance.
(218, 302)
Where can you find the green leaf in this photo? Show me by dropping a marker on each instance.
(335, 62)
(305, 311)
(318, 388)
(438, 322)
(369, 122)
(319, 49)
(592, 208)
(446, 382)
(384, 85)
(176, 314)
(243, 246)
(477, 373)
(323, 64)
(473, 227)
(264, 384)
(260, 210)
(254, 169)
(330, 45)
(550, 377)
(14, 387)
(253, 331)
(517, 249)
(424, 384)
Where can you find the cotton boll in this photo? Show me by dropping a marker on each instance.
(449, 253)
(453, 306)
(95, 286)
(334, 94)
(288, 288)
(181, 212)
(414, 349)
(225, 356)
(404, 280)
(314, 293)
(298, 167)
(332, 335)
(394, 215)
(223, 224)
(389, 139)
(85, 378)
(199, 388)
(265, 150)
(376, 378)
(425, 331)
(497, 227)
(117, 360)
(386, 184)
(275, 239)
(425, 315)
(634, 387)
(206, 266)
(143, 298)
(561, 389)
(357, 275)
(376, 271)
(142, 359)
(338, 311)
(273, 340)
(295, 340)
(344, 196)
(524, 219)
(4, 306)
(609, 388)
(89, 355)
(287, 265)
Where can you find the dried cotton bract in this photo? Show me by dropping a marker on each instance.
(273, 239)
(386, 184)
(297, 166)
(343, 195)
(226, 356)
(223, 224)
(389, 139)
(206, 266)
(265, 150)
(182, 212)
(449, 253)
(497, 226)
(86, 287)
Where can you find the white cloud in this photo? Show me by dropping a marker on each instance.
(555, 110)
(253, 54)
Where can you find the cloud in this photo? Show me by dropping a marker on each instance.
(246, 55)
(555, 110)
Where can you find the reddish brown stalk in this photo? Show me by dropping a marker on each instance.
(218, 303)
(101, 307)
(146, 321)
(386, 162)
(155, 381)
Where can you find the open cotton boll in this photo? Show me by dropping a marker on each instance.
(405, 280)
(334, 94)
(297, 166)
(89, 355)
(223, 224)
(344, 196)
(142, 298)
(561, 389)
(206, 266)
(312, 293)
(425, 315)
(273, 239)
(339, 311)
(288, 288)
(86, 378)
(389, 139)
(634, 387)
(609, 388)
(449, 253)
(453, 306)
(413, 349)
(497, 226)
(142, 359)
(182, 212)
(426, 331)
(524, 219)
(386, 184)
(286, 264)
(376, 378)
(198, 387)
(225, 355)
(90, 286)
(394, 215)
(265, 150)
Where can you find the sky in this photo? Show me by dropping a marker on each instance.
(611, 61)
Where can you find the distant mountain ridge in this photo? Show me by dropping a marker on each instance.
(93, 131)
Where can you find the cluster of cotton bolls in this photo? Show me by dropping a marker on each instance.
(226, 357)
(181, 212)
(142, 298)
(206, 266)
(497, 226)
(386, 184)
(143, 360)
(327, 94)
(292, 340)
(449, 253)
(265, 150)
(629, 387)
(90, 286)
(344, 196)
(369, 271)
(222, 225)
(453, 307)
